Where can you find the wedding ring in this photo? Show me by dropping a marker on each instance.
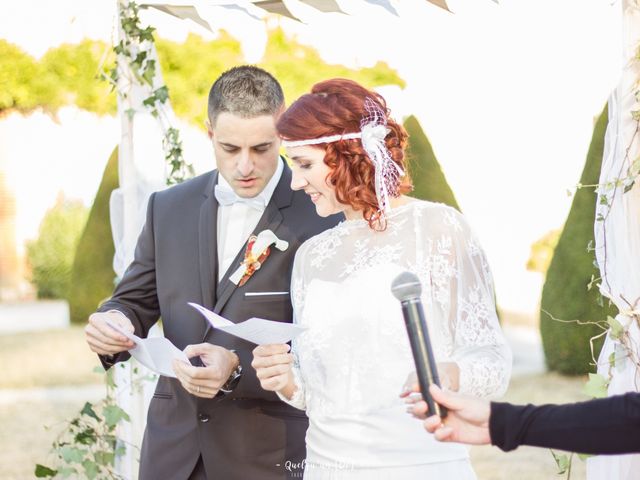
(198, 389)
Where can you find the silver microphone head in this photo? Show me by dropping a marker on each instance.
(406, 286)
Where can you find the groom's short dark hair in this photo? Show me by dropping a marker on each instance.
(245, 91)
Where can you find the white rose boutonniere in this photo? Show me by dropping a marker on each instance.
(258, 249)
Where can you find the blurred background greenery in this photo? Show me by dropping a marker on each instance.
(71, 258)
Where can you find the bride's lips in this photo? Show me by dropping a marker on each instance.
(314, 196)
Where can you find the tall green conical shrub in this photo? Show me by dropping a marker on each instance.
(565, 295)
(92, 275)
(429, 183)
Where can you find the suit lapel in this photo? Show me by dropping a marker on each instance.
(208, 244)
(270, 220)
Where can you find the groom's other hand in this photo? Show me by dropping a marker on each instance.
(273, 367)
(105, 340)
(205, 382)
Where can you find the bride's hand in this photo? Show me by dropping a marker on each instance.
(273, 368)
(416, 406)
(449, 374)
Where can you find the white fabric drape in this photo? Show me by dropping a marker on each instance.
(618, 240)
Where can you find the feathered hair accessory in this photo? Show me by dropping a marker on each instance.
(373, 131)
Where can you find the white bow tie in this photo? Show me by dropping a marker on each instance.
(226, 196)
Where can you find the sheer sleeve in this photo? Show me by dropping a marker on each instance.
(478, 344)
(297, 301)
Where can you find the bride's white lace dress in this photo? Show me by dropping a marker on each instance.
(354, 357)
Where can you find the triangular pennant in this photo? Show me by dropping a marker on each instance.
(440, 3)
(325, 6)
(241, 9)
(384, 4)
(184, 12)
(274, 6)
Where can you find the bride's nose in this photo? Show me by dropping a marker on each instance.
(298, 182)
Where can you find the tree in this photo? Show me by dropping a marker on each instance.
(19, 76)
(190, 68)
(542, 252)
(50, 256)
(429, 182)
(92, 276)
(565, 295)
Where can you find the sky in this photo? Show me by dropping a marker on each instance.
(507, 93)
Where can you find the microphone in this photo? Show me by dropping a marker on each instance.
(406, 288)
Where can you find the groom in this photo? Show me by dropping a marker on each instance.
(215, 422)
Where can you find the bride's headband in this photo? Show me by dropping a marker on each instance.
(373, 130)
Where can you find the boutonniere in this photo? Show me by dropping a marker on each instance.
(258, 249)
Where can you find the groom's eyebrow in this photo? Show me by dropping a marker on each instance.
(259, 145)
(263, 144)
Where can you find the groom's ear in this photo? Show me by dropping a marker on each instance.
(207, 124)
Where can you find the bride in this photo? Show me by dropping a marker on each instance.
(348, 367)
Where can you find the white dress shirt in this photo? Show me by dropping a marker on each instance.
(238, 220)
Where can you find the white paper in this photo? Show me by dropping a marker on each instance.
(155, 353)
(255, 330)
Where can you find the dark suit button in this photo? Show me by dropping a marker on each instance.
(203, 417)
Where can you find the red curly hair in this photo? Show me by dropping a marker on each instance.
(335, 107)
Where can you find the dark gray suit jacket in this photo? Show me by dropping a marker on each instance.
(249, 434)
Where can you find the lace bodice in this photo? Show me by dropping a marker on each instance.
(354, 357)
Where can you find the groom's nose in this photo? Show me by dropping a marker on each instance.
(245, 163)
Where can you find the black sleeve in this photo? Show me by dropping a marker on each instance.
(602, 426)
(135, 296)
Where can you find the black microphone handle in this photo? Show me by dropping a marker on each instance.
(426, 367)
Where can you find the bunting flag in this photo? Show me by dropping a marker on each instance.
(186, 12)
(386, 4)
(186, 9)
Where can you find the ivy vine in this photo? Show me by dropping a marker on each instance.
(597, 385)
(135, 50)
(87, 446)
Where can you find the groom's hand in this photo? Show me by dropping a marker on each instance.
(103, 339)
(205, 382)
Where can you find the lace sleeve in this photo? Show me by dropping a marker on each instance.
(297, 301)
(479, 346)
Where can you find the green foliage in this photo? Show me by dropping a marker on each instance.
(71, 71)
(137, 49)
(65, 75)
(50, 256)
(596, 386)
(563, 462)
(92, 274)
(19, 78)
(190, 68)
(297, 67)
(87, 446)
(429, 182)
(542, 252)
(565, 294)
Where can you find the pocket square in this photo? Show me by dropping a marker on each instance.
(258, 294)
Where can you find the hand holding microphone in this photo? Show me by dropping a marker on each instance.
(406, 288)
